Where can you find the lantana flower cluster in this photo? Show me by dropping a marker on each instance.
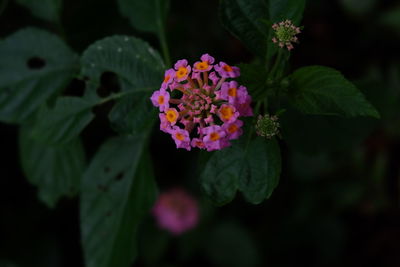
(200, 106)
(285, 34)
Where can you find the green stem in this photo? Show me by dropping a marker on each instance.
(119, 95)
(277, 63)
(161, 35)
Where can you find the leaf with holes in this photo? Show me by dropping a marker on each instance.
(55, 170)
(63, 122)
(118, 190)
(246, 20)
(45, 9)
(139, 71)
(35, 65)
(147, 15)
(254, 169)
(321, 90)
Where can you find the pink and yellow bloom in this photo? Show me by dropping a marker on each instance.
(203, 105)
(176, 211)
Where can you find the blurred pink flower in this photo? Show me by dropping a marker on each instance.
(176, 211)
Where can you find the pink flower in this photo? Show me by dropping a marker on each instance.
(233, 130)
(214, 139)
(182, 70)
(227, 71)
(205, 113)
(232, 92)
(176, 211)
(181, 138)
(205, 64)
(168, 78)
(160, 99)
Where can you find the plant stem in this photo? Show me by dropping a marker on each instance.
(161, 35)
(277, 63)
(119, 95)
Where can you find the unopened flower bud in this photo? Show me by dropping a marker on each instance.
(267, 126)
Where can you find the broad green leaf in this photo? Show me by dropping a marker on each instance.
(45, 9)
(253, 169)
(261, 176)
(146, 15)
(321, 90)
(137, 65)
(280, 10)
(358, 7)
(55, 170)
(63, 122)
(118, 190)
(34, 66)
(246, 20)
(139, 69)
(391, 19)
(132, 114)
(254, 77)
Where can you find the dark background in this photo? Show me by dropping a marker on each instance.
(337, 203)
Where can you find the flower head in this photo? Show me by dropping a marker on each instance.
(176, 211)
(267, 126)
(203, 107)
(285, 34)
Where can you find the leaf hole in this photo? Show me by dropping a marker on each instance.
(36, 63)
(109, 213)
(75, 88)
(109, 83)
(119, 176)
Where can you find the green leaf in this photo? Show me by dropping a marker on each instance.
(132, 114)
(118, 190)
(137, 65)
(254, 77)
(55, 170)
(321, 90)
(246, 21)
(261, 176)
(63, 122)
(34, 66)
(280, 10)
(45, 9)
(139, 69)
(252, 169)
(147, 15)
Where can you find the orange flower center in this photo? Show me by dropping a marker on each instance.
(202, 65)
(226, 112)
(227, 68)
(172, 115)
(232, 92)
(161, 100)
(179, 136)
(232, 128)
(182, 71)
(214, 136)
(166, 79)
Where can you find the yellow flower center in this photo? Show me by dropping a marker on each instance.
(179, 136)
(232, 128)
(226, 112)
(182, 71)
(227, 68)
(202, 65)
(166, 79)
(172, 115)
(161, 100)
(232, 92)
(214, 136)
